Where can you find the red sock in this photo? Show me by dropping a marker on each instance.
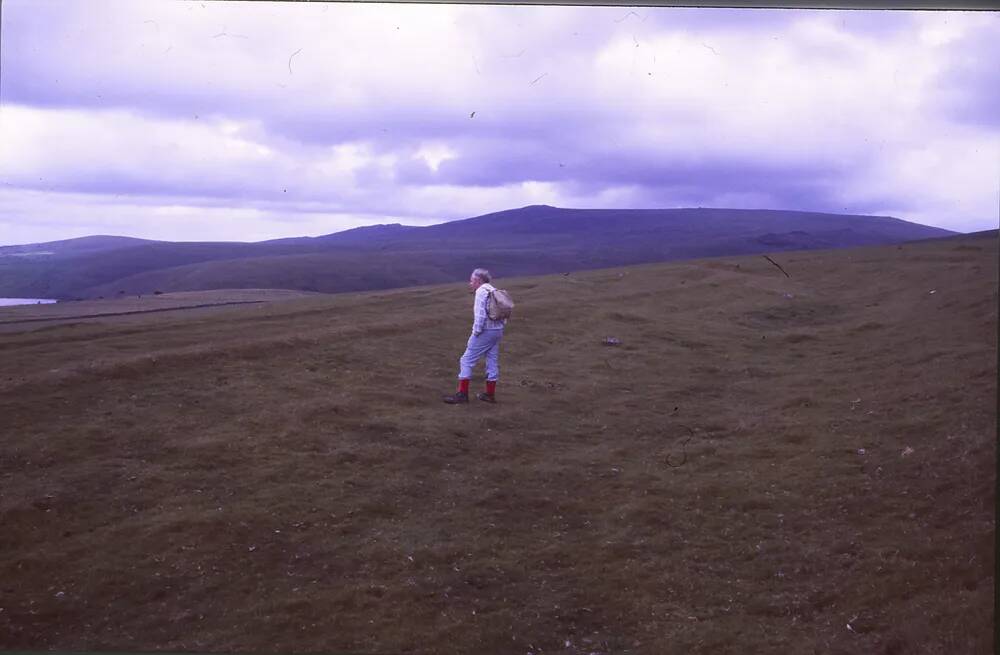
(491, 387)
(463, 387)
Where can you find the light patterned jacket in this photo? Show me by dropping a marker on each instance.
(480, 320)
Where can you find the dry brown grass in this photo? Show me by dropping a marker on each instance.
(284, 477)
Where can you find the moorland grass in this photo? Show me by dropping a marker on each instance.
(765, 464)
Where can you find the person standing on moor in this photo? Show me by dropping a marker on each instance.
(485, 340)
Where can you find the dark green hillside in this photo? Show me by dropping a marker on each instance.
(530, 240)
(334, 272)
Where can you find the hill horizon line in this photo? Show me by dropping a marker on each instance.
(542, 206)
(534, 239)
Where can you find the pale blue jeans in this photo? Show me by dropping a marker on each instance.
(488, 344)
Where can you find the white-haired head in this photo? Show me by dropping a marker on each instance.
(482, 274)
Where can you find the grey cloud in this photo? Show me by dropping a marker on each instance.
(554, 130)
(790, 187)
(708, 20)
(53, 55)
(230, 189)
(586, 166)
(489, 162)
(968, 87)
(771, 21)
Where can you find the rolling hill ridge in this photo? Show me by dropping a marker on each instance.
(532, 240)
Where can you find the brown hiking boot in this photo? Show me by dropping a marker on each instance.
(487, 397)
(457, 398)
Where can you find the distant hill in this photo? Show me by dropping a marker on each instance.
(531, 240)
(71, 247)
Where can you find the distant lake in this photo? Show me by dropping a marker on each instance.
(4, 302)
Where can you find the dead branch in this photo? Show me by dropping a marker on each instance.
(777, 264)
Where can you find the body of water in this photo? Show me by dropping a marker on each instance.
(4, 302)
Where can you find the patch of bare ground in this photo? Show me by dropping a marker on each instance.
(764, 464)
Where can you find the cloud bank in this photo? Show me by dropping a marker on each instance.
(254, 120)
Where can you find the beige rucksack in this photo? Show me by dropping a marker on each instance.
(499, 305)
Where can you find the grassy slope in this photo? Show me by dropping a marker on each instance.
(340, 271)
(283, 477)
(16, 318)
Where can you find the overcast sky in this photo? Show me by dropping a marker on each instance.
(188, 120)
